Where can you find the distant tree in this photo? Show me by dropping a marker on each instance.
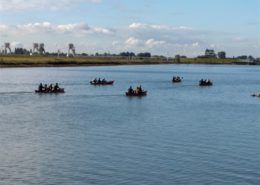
(84, 54)
(251, 57)
(106, 54)
(177, 59)
(127, 54)
(143, 55)
(243, 57)
(222, 54)
(21, 51)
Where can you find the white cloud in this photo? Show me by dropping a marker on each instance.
(132, 41)
(6, 5)
(3, 28)
(47, 27)
(195, 44)
(102, 30)
(139, 26)
(137, 37)
(115, 43)
(80, 27)
(153, 42)
(16, 44)
(34, 27)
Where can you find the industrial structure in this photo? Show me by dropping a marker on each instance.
(38, 48)
(41, 48)
(71, 50)
(7, 48)
(210, 53)
(35, 48)
(222, 54)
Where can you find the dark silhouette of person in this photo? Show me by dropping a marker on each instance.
(56, 87)
(40, 88)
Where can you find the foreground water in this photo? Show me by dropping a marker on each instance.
(178, 134)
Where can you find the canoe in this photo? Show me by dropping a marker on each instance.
(61, 90)
(102, 83)
(176, 81)
(206, 84)
(144, 93)
(256, 95)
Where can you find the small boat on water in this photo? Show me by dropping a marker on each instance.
(49, 89)
(101, 82)
(176, 79)
(144, 93)
(205, 83)
(138, 92)
(256, 95)
(58, 91)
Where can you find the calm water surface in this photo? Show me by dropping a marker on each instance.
(178, 134)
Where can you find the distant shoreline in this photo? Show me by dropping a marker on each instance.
(46, 61)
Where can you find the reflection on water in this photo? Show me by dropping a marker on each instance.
(178, 134)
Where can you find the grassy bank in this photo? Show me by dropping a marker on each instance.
(208, 61)
(39, 61)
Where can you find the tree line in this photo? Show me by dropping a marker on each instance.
(22, 51)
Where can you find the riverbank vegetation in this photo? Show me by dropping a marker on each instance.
(38, 61)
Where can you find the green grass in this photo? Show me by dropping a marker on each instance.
(208, 61)
(34, 61)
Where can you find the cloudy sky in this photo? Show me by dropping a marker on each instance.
(166, 27)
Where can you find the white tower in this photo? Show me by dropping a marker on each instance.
(2, 51)
(71, 50)
(41, 48)
(35, 48)
(7, 48)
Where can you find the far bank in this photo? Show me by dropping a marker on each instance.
(48, 61)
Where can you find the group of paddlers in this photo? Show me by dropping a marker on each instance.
(256, 95)
(206, 82)
(49, 88)
(176, 79)
(202, 82)
(101, 82)
(138, 91)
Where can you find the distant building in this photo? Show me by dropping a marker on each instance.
(257, 61)
(221, 54)
(210, 53)
(246, 59)
(177, 58)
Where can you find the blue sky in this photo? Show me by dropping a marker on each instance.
(165, 27)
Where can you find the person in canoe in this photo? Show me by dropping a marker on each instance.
(101, 82)
(176, 79)
(206, 82)
(45, 89)
(40, 87)
(137, 92)
(56, 87)
(130, 90)
(256, 95)
(49, 89)
(139, 89)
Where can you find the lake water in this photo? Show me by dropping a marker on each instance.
(178, 134)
